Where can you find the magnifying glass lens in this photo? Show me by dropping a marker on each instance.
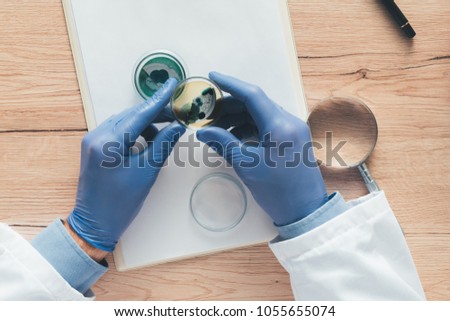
(344, 131)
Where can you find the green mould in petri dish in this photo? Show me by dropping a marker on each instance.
(196, 102)
(154, 70)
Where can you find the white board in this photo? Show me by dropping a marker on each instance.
(249, 39)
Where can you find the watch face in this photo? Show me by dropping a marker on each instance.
(154, 70)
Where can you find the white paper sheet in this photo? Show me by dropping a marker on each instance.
(249, 39)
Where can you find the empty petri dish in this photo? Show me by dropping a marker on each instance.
(153, 71)
(218, 202)
(196, 102)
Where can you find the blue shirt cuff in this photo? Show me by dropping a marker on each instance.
(335, 206)
(57, 246)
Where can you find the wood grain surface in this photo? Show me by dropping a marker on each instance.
(346, 48)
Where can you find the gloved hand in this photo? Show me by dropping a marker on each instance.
(279, 168)
(114, 181)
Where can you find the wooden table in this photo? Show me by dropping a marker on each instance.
(346, 48)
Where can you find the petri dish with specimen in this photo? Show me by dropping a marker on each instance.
(196, 102)
(154, 69)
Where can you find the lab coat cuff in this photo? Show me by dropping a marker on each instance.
(335, 206)
(356, 214)
(79, 270)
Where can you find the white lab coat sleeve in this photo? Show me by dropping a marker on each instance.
(26, 275)
(358, 255)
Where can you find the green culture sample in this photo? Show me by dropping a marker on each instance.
(154, 70)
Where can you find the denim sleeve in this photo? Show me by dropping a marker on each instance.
(79, 270)
(335, 206)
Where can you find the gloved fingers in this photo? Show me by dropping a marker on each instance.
(223, 142)
(230, 105)
(234, 120)
(163, 144)
(140, 116)
(165, 116)
(260, 107)
(246, 133)
(231, 112)
(150, 133)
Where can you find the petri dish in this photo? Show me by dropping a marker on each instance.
(218, 202)
(154, 69)
(196, 102)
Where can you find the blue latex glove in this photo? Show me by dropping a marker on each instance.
(286, 193)
(110, 195)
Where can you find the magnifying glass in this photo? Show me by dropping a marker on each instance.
(344, 132)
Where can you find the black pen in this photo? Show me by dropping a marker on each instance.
(399, 17)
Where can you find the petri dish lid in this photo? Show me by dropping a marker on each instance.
(218, 202)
